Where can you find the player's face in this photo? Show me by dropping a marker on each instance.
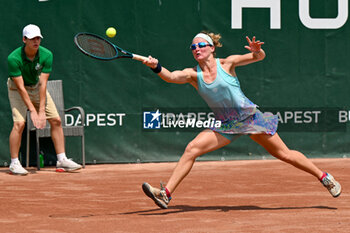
(32, 44)
(198, 51)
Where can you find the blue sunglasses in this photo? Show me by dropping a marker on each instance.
(200, 45)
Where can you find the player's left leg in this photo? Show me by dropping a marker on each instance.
(276, 147)
(57, 134)
(63, 164)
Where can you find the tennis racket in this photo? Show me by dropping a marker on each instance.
(99, 48)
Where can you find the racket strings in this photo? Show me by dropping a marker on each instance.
(95, 46)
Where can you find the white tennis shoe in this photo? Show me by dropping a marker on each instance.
(332, 185)
(17, 169)
(157, 195)
(67, 165)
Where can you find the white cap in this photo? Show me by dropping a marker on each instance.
(30, 31)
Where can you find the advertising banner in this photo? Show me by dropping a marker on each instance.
(134, 116)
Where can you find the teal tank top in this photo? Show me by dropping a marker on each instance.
(224, 96)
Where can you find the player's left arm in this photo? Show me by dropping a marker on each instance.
(44, 77)
(256, 54)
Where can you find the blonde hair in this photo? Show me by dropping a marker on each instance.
(216, 39)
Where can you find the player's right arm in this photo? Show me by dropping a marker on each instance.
(23, 92)
(178, 76)
(16, 76)
(25, 97)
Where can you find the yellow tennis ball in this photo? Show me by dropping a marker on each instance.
(111, 32)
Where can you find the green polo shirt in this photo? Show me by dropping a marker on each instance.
(20, 65)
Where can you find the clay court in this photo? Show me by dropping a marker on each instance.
(227, 196)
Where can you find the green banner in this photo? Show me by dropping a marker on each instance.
(304, 78)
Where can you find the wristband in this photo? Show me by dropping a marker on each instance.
(158, 69)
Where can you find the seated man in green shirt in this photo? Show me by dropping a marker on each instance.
(29, 68)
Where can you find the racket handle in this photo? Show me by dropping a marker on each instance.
(139, 57)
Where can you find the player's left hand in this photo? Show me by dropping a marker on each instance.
(41, 120)
(254, 46)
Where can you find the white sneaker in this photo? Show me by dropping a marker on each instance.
(17, 169)
(67, 165)
(332, 185)
(157, 195)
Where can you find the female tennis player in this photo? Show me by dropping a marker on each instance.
(216, 81)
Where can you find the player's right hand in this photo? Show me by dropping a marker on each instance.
(151, 62)
(38, 121)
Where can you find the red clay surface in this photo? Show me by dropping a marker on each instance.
(229, 196)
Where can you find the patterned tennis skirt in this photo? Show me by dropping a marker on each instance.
(254, 124)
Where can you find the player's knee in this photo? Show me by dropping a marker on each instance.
(191, 151)
(55, 122)
(19, 126)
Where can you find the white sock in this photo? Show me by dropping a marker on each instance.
(61, 156)
(14, 160)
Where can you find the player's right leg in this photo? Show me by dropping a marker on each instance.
(159, 196)
(19, 111)
(205, 142)
(15, 143)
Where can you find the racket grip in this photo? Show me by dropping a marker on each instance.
(139, 57)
